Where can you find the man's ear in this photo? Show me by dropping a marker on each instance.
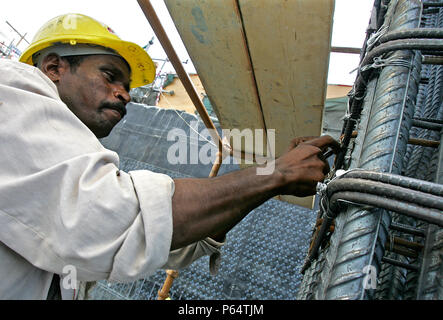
(54, 67)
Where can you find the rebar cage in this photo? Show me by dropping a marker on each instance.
(379, 231)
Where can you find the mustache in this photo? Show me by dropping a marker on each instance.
(117, 106)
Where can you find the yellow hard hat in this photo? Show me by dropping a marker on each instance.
(79, 29)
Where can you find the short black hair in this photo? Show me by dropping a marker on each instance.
(74, 61)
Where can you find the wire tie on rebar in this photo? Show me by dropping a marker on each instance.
(350, 95)
(322, 192)
(340, 173)
(321, 188)
(348, 106)
(353, 70)
(348, 117)
(392, 61)
(375, 37)
(363, 94)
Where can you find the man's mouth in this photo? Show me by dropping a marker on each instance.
(116, 108)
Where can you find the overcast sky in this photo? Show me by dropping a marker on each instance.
(351, 19)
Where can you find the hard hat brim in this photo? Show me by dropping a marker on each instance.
(142, 66)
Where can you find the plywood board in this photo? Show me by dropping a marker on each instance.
(289, 45)
(212, 33)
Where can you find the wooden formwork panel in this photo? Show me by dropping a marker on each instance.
(212, 32)
(263, 63)
(289, 45)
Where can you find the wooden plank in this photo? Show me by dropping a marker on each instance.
(289, 44)
(212, 33)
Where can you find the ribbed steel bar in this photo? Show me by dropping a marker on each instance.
(432, 4)
(436, 60)
(427, 125)
(392, 196)
(401, 250)
(361, 82)
(438, 121)
(424, 142)
(400, 264)
(429, 283)
(422, 161)
(422, 33)
(386, 190)
(410, 209)
(414, 165)
(361, 233)
(408, 244)
(407, 229)
(397, 180)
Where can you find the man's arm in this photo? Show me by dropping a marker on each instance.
(212, 207)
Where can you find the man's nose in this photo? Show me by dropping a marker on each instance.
(121, 93)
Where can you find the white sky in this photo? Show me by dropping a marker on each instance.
(351, 19)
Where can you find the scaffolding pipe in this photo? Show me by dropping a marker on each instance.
(156, 25)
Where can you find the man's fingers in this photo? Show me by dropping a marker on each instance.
(296, 141)
(324, 142)
(326, 167)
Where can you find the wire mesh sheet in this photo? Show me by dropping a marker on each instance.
(263, 253)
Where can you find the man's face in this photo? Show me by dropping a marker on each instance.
(96, 91)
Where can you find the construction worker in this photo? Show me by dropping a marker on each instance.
(65, 205)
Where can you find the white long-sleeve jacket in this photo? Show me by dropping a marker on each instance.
(63, 201)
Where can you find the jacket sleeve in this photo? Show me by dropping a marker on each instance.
(183, 257)
(63, 201)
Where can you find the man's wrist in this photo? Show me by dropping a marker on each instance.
(274, 179)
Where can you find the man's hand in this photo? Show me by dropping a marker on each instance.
(303, 165)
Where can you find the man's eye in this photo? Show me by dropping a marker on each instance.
(109, 76)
